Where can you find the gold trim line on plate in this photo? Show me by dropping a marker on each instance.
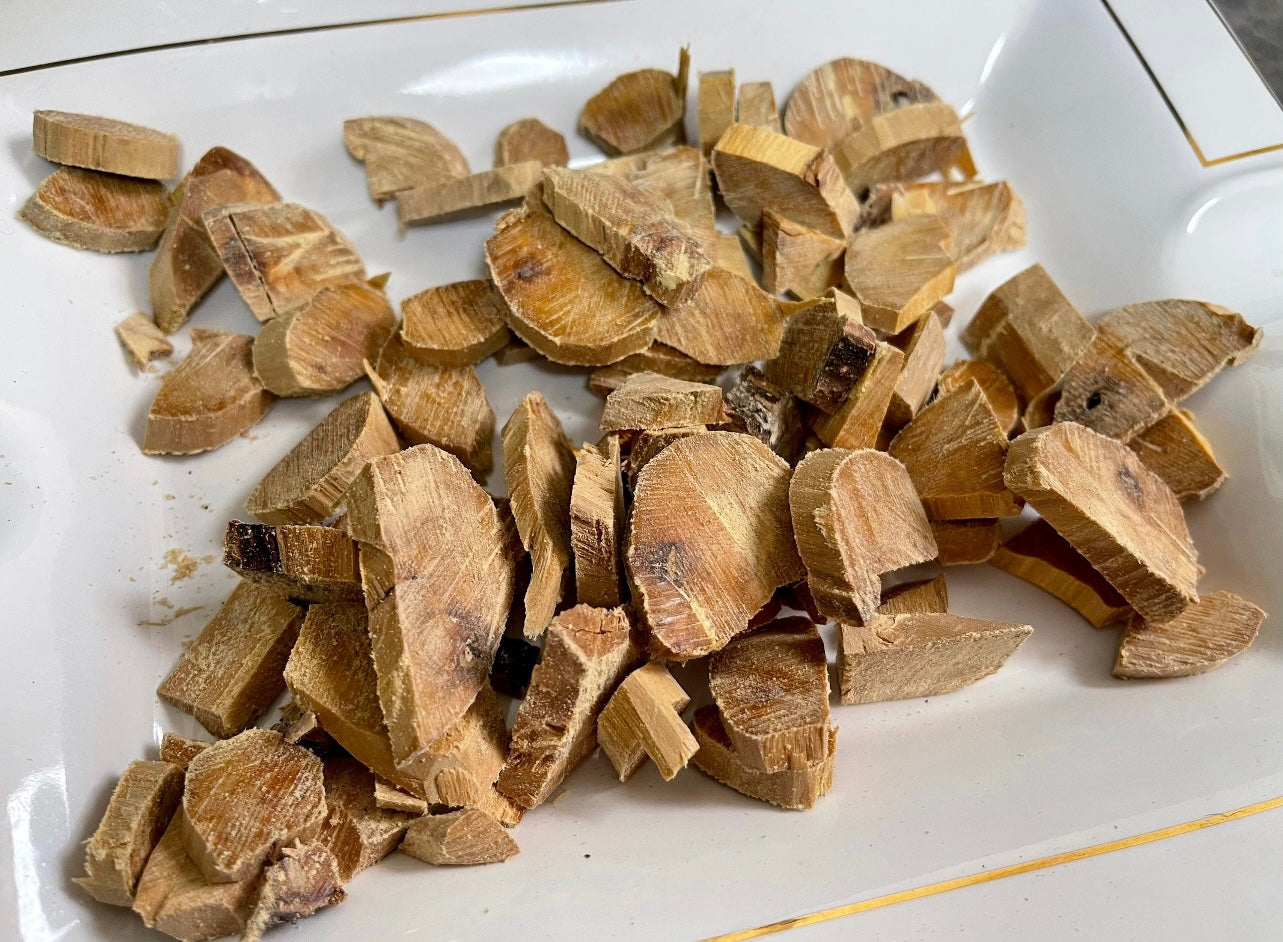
(1180, 122)
(295, 30)
(987, 876)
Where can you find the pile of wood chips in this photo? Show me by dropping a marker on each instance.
(397, 601)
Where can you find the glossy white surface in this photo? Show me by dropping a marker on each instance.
(42, 31)
(1048, 755)
(1212, 84)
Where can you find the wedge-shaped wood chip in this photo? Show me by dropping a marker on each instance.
(306, 563)
(652, 401)
(983, 219)
(393, 799)
(1113, 510)
(859, 419)
(928, 595)
(823, 355)
(758, 407)
(530, 139)
(729, 320)
(279, 255)
(771, 687)
(841, 96)
(96, 143)
(856, 516)
(710, 540)
(438, 584)
(322, 347)
(484, 190)
(186, 265)
(1028, 329)
(1106, 390)
(759, 169)
(444, 406)
(993, 381)
(140, 809)
(903, 657)
(597, 524)
(208, 399)
(174, 897)
(730, 255)
(231, 673)
(633, 229)
(463, 837)
(798, 259)
(563, 299)
(638, 110)
(587, 652)
(716, 106)
(401, 154)
(539, 468)
(923, 360)
(179, 750)
(644, 719)
(245, 799)
(1042, 557)
(1175, 450)
(458, 324)
(903, 144)
(308, 484)
(899, 271)
(303, 881)
(955, 452)
(966, 542)
(144, 341)
(788, 788)
(657, 358)
(681, 176)
(1204, 636)
(757, 106)
(103, 212)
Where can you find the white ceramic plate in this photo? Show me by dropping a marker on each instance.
(1048, 755)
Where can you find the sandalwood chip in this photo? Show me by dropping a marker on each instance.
(144, 341)
(798, 259)
(186, 265)
(647, 444)
(444, 406)
(231, 673)
(1205, 635)
(309, 483)
(306, 563)
(179, 750)
(710, 540)
(106, 213)
(586, 654)
(96, 143)
(771, 687)
(823, 355)
(955, 452)
(597, 524)
(322, 347)
(1113, 510)
(638, 110)
(729, 320)
(759, 169)
(643, 719)
(208, 399)
(923, 359)
(899, 271)
(393, 799)
(716, 98)
(681, 176)
(757, 106)
(358, 832)
(903, 144)
(279, 255)
(458, 324)
(903, 657)
(731, 256)
(966, 542)
(530, 139)
(1175, 450)
(489, 188)
(860, 418)
(758, 407)
(983, 219)
(1042, 557)
(652, 401)
(305, 880)
(423, 524)
(993, 382)
(928, 595)
(464, 837)
(140, 808)
(657, 358)
(856, 516)
(402, 153)
(787, 788)
(1107, 391)
(245, 799)
(563, 299)
(841, 96)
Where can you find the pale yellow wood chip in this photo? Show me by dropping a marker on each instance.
(923, 360)
(757, 106)
(928, 595)
(729, 320)
(144, 341)
(1175, 450)
(841, 96)
(983, 219)
(464, 837)
(899, 271)
(643, 720)
(638, 110)
(903, 144)
(997, 388)
(716, 100)
(1204, 636)
(489, 188)
(798, 259)
(652, 401)
(530, 139)
(597, 522)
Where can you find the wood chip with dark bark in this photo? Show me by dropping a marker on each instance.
(301, 562)
(859, 420)
(823, 355)
(758, 407)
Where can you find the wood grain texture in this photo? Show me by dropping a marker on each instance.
(98, 143)
(729, 320)
(1205, 635)
(899, 271)
(402, 153)
(458, 324)
(644, 720)
(597, 521)
(85, 209)
(458, 838)
(442, 201)
(841, 96)
(638, 110)
(653, 401)
(530, 139)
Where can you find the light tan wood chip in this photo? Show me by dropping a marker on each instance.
(597, 524)
(96, 143)
(102, 212)
(303, 881)
(1204, 636)
(179, 750)
(657, 358)
(458, 324)
(463, 837)
(143, 340)
(730, 320)
(644, 719)
(652, 401)
(530, 139)
(798, 259)
(928, 595)
(899, 271)
(638, 110)
(489, 188)
(1175, 450)
(993, 381)
(966, 542)
(903, 144)
(716, 106)
(923, 360)
(757, 106)
(841, 96)
(983, 219)
(401, 154)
